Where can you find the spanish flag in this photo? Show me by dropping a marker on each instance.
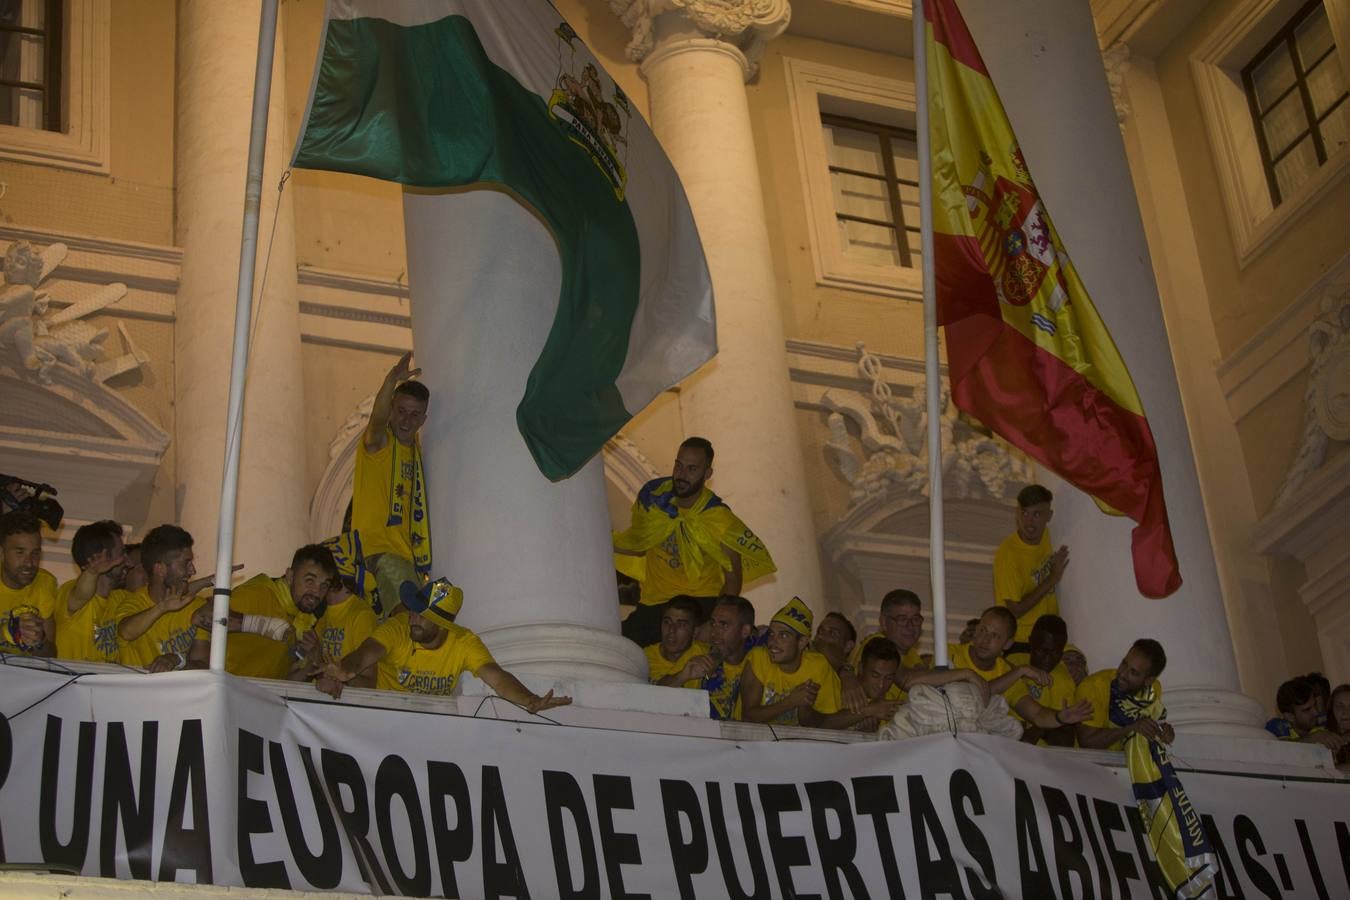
(1027, 353)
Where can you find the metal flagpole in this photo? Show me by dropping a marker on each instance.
(937, 561)
(243, 315)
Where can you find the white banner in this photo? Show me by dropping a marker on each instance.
(201, 777)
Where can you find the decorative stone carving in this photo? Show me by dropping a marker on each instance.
(1116, 59)
(894, 446)
(746, 24)
(40, 338)
(1326, 413)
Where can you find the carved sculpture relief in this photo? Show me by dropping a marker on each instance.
(38, 338)
(748, 24)
(1326, 412)
(893, 452)
(1116, 60)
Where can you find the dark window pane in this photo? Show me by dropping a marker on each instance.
(1285, 123)
(1273, 77)
(1313, 36)
(1296, 168)
(1326, 83)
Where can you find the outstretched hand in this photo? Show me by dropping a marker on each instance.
(548, 701)
(403, 370)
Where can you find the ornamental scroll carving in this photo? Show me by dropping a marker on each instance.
(748, 24)
(1326, 403)
(890, 454)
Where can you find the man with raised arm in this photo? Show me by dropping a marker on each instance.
(156, 624)
(1026, 570)
(389, 503)
(1120, 698)
(784, 683)
(85, 627)
(27, 591)
(423, 651)
(684, 540)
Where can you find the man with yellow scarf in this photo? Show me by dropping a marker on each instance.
(684, 539)
(390, 521)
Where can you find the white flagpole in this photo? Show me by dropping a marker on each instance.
(243, 317)
(937, 558)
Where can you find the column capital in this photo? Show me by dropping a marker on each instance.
(746, 25)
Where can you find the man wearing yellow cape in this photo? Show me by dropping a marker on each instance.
(684, 539)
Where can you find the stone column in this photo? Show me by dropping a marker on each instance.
(696, 59)
(1045, 62)
(533, 557)
(217, 48)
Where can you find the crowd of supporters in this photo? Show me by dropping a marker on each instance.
(362, 610)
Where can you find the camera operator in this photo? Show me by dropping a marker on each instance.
(27, 592)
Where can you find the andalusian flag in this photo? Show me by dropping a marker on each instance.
(440, 93)
(1027, 353)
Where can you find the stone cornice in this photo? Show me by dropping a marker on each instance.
(747, 25)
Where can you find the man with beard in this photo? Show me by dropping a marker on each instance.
(346, 622)
(155, 624)
(684, 540)
(267, 615)
(731, 626)
(27, 592)
(1048, 711)
(784, 683)
(425, 652)
(900, 622)
(1118, 694)
(85, 627)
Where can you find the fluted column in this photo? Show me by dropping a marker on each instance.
(696, 57)
(1045, 62)
(217, 47)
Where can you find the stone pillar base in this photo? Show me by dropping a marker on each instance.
(1214, 711)
(563, 650)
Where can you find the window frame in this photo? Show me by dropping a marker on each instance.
(884, 133)
(1286, 39)
(82, 144)
(52, 33)
(814, 88)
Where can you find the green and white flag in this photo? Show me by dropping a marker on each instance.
(439, 93)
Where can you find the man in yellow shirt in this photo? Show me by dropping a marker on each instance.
(268, 615)
(677, 657)
(731, 625)
(389, 504)
(27, 591)
(423, 651)
(984, 654)
(1118, 694)
(155, 624)
(901, 623)
(85, 627)
(1048, 712)
(346, 622)
(835, 638)
(1026, 570)
(684, 540)
(877, 669)
(784, 683)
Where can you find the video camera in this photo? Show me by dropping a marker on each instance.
(30, 497)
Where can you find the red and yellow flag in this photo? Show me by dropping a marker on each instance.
(1027, 353)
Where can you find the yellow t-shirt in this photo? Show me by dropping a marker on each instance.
(1018, 568)
(668, 576)
(253, 655)
(410, 667)
(172, 632)
(90, 633)
(375, 475)
(910, 659)
(724, 689)
(1055, 696)
(40, 594)
(659, 667)
(958, 657)
(1096, 688)
(778, 684)
(344, 627)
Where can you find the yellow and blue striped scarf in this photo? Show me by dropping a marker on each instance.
(1175, 830)
(414, 506)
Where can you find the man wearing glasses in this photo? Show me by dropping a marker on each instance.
(901, 622)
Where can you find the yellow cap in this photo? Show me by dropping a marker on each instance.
(795, 615)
